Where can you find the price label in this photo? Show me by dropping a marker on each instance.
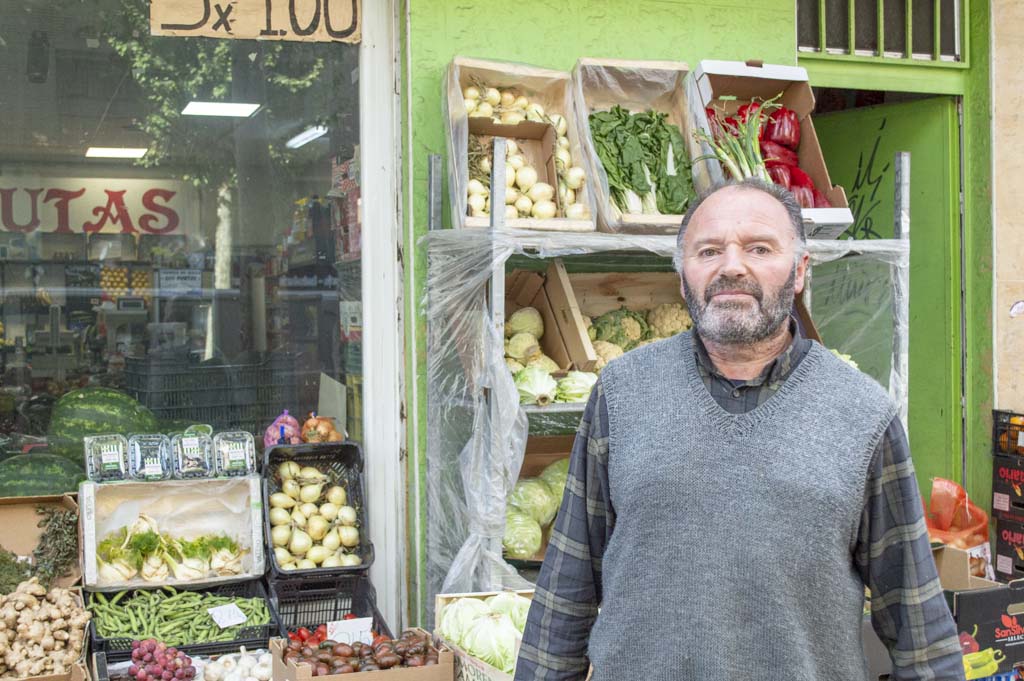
(350, 631)
(227, 615)
(153, 469)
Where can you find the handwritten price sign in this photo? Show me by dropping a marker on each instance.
(302, 20)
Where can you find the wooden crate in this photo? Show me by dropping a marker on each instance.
(551, 89)
(467, 667)
(600, 84)
(532, 289)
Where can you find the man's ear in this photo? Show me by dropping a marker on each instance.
(801, 273)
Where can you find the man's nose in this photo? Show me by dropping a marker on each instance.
(734, 263)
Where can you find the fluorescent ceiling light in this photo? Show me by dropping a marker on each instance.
(115, 152)
(234, 109)
(306, 136)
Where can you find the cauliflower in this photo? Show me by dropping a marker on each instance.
(668, 319)
(522, 346)
(606, 352)
(544, 362)
(588, 324)
(525, 320)
(622, 327)
(513, 365)
(846, 358)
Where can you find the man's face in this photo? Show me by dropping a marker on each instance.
(739, 268)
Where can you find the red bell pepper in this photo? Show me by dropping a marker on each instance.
(800, 179)
(803, 195)
(819, 199)
(783, 127)
(776, 154)
(351, 616)
(968, 642)
(779, 175)
(304, 634)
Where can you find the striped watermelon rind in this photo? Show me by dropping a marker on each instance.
(94, 411)
(32, 475)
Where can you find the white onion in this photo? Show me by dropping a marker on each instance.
(563, 159)
(492, 96)
(308, 509)
(521, 102)
(280, 516)
(524, 205)
(311, 493)
(483, 110)
(485, 165)
(561, 125)
(282, 556)
(511, 148)
(471, 93)
(281, 500)
(281, 534)
(577, 211)
(300, 543)
(350, 560)
(305, 564)
(563, 142)
(476, 187)
(541, 191)
(332, 540)
(288, 470)
(570, 197)
(510, 175)
(511, 213)
(309, 474)
(526, 177)
(329, 511)
(336, 495)
(544, 210)
(289, 566)
(561, 191)
(536, 110)
(507, 99)
(349, 536)
(346, 515)
(477, 202)
(470, 105)
(516, 161)
(298, 518)
(511, 194)
(291, 488)
(512, 118)
(575, 177)
(317, 527)
(317, 554)
(331, 562)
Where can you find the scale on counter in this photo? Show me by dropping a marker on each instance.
(131, 304)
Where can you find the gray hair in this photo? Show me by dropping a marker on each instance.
(776, 191)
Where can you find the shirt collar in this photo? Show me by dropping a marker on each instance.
(775, 371)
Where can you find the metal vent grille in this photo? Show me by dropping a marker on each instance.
(920, 30)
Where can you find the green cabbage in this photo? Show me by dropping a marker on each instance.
(523, 536)
(525, 320)
(544, 362)
(533, 497)
(493, 639)
(522, 346)
(535, 386)
(511, 604)
(555, 476)
(459, 616)
(575, 387)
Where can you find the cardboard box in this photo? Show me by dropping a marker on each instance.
(1008, 488)
(20, 531)
(753, 79)
(548, 88)
(1009, 561)
(78, 671)
(444, 670)
(185, 508)
(467, 667)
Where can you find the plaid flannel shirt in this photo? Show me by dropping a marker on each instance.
(892, 555)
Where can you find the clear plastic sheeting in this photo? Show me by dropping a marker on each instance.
(476, 428)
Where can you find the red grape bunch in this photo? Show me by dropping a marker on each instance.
(154, 661)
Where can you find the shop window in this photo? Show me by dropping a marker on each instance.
(881, 28)
(207, 265)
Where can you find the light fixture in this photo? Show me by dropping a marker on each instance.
(115, 152)
(306, 136)
(233, 109)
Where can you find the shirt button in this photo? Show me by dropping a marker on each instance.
(735, 393)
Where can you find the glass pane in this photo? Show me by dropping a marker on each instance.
(866, 26)
(807, 23)
(896, 26)
(214, 278)
(950, 21)
(837, 24)
(924, 26)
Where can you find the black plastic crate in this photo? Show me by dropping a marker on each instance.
(1007, 433)
(326, 599)
(343, 463)
(258, 634)
(102, 661)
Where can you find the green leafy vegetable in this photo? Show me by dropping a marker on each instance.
(645, 160)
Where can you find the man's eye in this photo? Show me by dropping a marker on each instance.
(761, 250)
(707, 252)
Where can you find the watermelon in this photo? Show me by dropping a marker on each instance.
(32, 475)
(94, 411)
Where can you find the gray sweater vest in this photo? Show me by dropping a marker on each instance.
(731, 553)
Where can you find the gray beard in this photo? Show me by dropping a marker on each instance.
(735, 324)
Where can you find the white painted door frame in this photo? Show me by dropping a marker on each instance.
(383, 358)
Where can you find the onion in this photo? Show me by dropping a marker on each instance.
(485, 165)
(346, 515)
(510, 175)
(280, 516)
(476, 202)
(511, 148)
(507, 99)
(317, 554)
(332, 540)
(575, 177)
(299, 518)
(331, 562)
(309, 510)
(311, 493)
(542, 191)
(561, 125)
(570, 197)
(289, 566)
(291, 488)
(511, 213)
(349, 536)
(563, 159)
(544, 210)
(288, 470)
(471, 93)
(516, 161)
(336, 495)
(476, 187)
(577, 211)
(281, 500)
(317, 527)
(305, 564)
(282, 556)
(300, 543)
(526, 177)
(563, 142)
(310, 474)
(521, 102)
(492, 96)
(483, 110)
(511, 195)
(561, 191)
(523, 205)
(329, 511)
(281, 534)
(350, 560)
(470, 105)
(512, 118)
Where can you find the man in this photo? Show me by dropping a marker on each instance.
(733, 489)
